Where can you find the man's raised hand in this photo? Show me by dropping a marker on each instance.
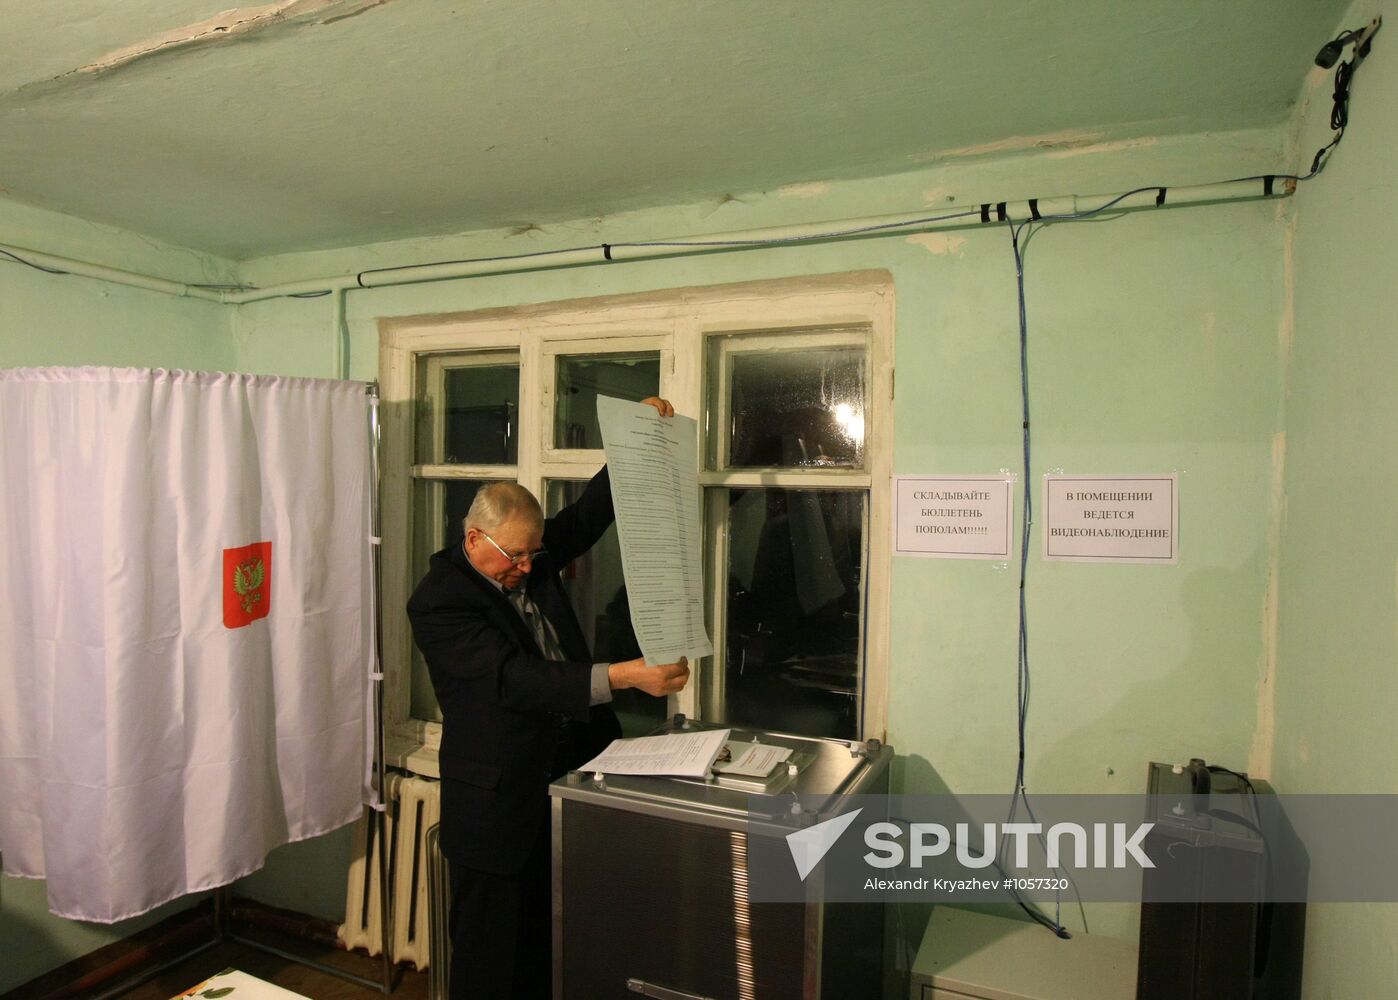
(662, 406)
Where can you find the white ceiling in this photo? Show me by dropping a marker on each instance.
(300, 124)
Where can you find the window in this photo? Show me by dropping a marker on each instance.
(791, 382)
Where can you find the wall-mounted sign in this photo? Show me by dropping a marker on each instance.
(1112, 519)
(952, 517)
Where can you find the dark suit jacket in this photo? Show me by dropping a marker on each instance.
(511, 720)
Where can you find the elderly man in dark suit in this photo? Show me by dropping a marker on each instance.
(522, 703)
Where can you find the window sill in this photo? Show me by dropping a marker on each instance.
(413, 756)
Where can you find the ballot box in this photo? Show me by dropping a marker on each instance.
(650, 883)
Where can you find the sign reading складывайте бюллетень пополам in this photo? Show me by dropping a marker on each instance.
(952, 517)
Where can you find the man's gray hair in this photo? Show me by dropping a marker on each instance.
(496, 503)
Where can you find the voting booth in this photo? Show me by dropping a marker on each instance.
(651, 883)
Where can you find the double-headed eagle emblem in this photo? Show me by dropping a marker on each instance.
(247, 581)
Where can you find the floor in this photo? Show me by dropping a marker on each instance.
(412, 985)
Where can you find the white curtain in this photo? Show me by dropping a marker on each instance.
(184, 626)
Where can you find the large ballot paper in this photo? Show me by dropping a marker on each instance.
(654, 464)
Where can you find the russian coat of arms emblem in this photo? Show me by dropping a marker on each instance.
(247, 585)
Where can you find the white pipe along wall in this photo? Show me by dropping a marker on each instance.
(990, 213)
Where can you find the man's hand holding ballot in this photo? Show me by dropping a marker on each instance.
(659, 680)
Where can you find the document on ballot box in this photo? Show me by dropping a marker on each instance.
(751, 760)
(683, 755)
(654, 466)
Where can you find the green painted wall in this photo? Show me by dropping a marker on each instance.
(1155, 349)
(56, 320)
(64, 320)
(308, 877)
(1337, 675)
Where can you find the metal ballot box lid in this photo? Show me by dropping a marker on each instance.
(820, 771)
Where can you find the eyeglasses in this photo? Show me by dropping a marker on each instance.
(517, 560)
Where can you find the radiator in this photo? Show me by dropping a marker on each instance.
(439, 899)
(414, 806)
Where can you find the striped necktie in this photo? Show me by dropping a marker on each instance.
(539, 626)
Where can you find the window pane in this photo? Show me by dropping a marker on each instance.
(794, 578)
(582, 378)
(468, 413)
(438, 509)
(596, 586)
(789, 408)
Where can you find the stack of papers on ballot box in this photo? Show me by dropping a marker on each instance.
(683, 755)
(688, 755)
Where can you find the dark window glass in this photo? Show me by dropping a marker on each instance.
(796, 409)
(581, 379)
(795, 561)
(597, 587)
(479, 418)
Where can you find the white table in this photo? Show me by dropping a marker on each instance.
(967, 955)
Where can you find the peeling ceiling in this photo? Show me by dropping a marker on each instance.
(304, 124)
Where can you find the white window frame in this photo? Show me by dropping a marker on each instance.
(437, 469)
(713, 683)
(678, 323)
